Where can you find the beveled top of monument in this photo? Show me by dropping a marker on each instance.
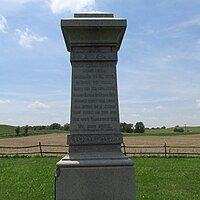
(93, 29)
(93, 19)
(93, 15)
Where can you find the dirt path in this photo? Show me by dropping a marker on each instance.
(60, 139)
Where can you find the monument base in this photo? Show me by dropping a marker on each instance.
(95, 180)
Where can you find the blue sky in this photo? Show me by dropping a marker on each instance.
(158, 67)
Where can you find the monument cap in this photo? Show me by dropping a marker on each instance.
(93, 29)
(93, 15)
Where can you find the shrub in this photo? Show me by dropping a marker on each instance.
(26, 130)
(129, 128)
(139, 127)
(17, 130)
(124, 127)
(178, 129)
(55, 126)
(66, 127)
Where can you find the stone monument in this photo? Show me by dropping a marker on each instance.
(95, 168)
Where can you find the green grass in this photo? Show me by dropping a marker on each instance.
(27, 178)
(166, 132)
(156, 178)
(168, 178)
(42, 132)
(9, 131)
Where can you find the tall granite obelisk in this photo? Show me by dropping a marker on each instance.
(95, 169)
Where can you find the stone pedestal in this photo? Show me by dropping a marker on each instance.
(95, 167)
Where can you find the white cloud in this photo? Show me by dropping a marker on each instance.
(27, 38)
(198, 103)
(56, 6)
(59, 6)
(4, 101)
(174, 30)
(37, 105)
(194, 21)
(3, 24)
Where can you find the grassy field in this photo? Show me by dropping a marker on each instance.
(156, 178)
(9, 131)
(166, 132)
(6, 131)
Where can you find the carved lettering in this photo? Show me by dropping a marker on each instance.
(94, 97)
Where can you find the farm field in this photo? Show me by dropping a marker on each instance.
(156, 178)
(167, 132)
(61, 138)
(7, 131)
(140, 144)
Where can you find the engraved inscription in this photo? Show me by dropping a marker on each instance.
(94, 106)
(96, 23)
(77, 139)
(94, 54)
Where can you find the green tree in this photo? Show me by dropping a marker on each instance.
(123, 127)
(66, 127)
(17, 130)
(178, 129)
(139, 127)
(39, 127)
(26, 130)
(55, 126)
(129, 128)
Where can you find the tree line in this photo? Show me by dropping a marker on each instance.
(24, 130)
(124, 127)
(130, 128)
(139, 127)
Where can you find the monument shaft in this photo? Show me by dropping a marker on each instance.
(94, 102)
(95, 162)
(94, 108)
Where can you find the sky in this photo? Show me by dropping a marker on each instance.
(158, 69)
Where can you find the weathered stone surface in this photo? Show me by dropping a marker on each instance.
(94, 54)
(94, 107)
(96, 15)
(95, 183)
(95, 167)
(78, 139)
(93, 31)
